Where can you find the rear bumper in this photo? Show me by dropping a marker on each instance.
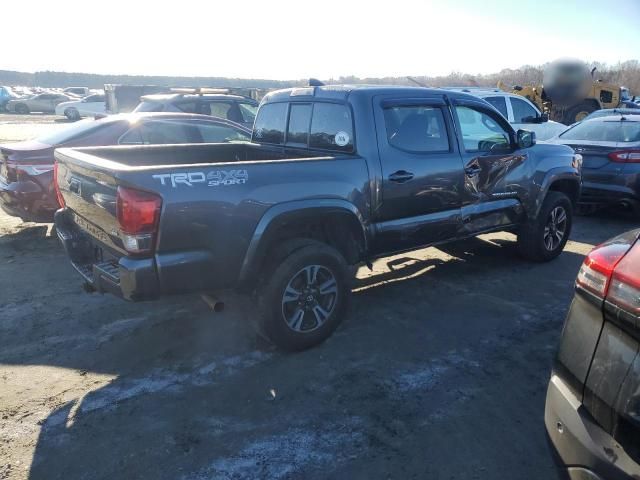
(585, 451)
(27, 201)
(127, 278)
(603, 193)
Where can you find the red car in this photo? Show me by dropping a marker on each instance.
(26, 168)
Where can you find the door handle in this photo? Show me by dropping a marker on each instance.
(400, 176)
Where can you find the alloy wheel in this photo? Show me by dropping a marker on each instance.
(309, 298)
(555, 229)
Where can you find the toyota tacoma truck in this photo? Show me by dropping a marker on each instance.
(334, 176)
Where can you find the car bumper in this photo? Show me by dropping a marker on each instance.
(625, 187)
(124, 277)
(585, 451)
(26, 200)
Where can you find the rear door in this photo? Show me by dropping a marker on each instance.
(489, 155)
(422, 175)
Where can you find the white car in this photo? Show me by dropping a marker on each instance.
(520, 112)
(87, 107)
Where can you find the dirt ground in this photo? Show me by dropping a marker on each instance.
(439, 372)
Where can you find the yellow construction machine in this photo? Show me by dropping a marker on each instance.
(570, 92)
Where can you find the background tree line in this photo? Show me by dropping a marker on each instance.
(624, 73)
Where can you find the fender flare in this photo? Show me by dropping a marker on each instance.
(274, 217)
(550, 177)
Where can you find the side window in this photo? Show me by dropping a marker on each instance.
(248, 112)
(270, 123)
(219, 109)
(480, 132)
(499, 104)
(186, 107)
(299, 119)
(331, 127)
(214, 133)
(522, 110)
(416, 128)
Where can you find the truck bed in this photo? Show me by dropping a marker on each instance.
(213, 196)
(157, 156)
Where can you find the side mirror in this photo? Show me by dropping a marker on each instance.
(544, 117)
(525, 138)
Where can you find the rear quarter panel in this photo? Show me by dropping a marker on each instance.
(217, 211)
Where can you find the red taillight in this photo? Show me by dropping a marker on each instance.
(625, 156)
(598, 267)
(56, 186)
(624, 290)
(612, 271)
(138, 215)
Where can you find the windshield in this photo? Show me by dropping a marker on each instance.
(66, 134)
(604, 131)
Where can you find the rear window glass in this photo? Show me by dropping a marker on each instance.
(604, 131)
(270, 123)
(331, 127)
(74, 131)
(160, 132)
(214, 133)
(299, 118)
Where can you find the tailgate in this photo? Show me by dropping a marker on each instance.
(89, 194)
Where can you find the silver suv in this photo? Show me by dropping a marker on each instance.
(235, 108)
(519, 111)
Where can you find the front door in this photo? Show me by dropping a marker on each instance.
(422, 175)
(490, 157)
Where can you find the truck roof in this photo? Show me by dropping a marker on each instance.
(343, 92)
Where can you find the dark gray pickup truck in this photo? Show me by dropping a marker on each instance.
(335, 176)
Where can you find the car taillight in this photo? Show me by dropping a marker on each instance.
(56, 186)
(612, 271)
(138, 214)
(625, 156)
(598, 267)
(624, 290)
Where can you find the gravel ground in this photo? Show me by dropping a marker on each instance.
(439, 372)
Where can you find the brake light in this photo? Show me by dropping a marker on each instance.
(596, 271)
(138, 214)
(625, 156)
(625, 282)
(57, 187)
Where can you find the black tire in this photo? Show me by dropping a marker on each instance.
(578, 112)
(534, 236)
(72, 114)
(22, 109)
(279, 304)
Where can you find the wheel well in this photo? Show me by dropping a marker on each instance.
(342, 231)
(569, 187)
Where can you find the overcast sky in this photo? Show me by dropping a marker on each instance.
(281, 39)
